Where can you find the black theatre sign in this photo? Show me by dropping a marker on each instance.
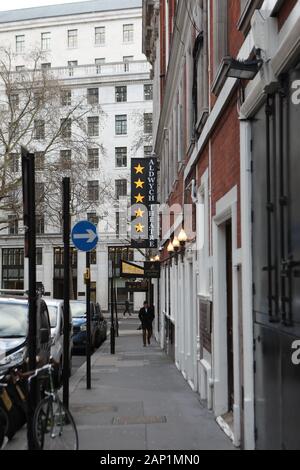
(144, 204)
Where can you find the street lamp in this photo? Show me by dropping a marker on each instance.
(182, 238)
(242, 70)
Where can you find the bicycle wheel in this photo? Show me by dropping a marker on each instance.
(3, 426)
(54, 426)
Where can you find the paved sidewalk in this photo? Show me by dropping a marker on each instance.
(138, 401)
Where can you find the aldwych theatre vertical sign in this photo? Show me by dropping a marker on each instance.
(144, 204)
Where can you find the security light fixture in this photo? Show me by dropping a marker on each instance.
(242, 70)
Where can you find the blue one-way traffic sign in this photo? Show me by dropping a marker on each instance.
(84, 236)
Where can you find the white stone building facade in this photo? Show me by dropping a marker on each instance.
(97, 46)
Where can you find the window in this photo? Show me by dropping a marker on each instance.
(100, 35)
(71, 65)
(98, 63)
(19, 68)
(93, 218)
(14, 101)
(66, 159)
(39, 256)
(40, 193)
(93, 96)
(13, 268)
(121, 94)
(148, 151)
(93, 126)
(121, 124)
(45, 41)
(117, 223)
(39, 161)
(93, 257)
(13, 225)
(127, 59)
(93, 191)
(66, 98)
(46, 66)
(93, 159)
(72, 38)
(39, 129)
(148, 123)
(66, 128)
(40, 225)
(38, 98)
(121, 157)
(20, 44)
(14, 162)
(121, 188)
(148, 92)
(128, 33)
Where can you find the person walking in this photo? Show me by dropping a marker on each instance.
(146, 316)
(127, 309)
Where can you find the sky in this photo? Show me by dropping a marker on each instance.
(19, 4)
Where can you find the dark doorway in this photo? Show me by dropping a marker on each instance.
(229, 316)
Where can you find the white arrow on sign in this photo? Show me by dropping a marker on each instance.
(89, 236)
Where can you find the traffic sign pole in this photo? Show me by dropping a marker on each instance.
(85, 238)
(88, 322)
(67, 229)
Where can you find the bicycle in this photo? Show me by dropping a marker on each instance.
(3, 421)
(53, 425)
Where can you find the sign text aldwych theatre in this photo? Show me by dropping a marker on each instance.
(144, 210)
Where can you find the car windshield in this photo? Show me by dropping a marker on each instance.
(78, 309)
(13, 320)
(52, 315)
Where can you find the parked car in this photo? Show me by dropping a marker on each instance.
(98, 335)
(14, 331)
(56, 314)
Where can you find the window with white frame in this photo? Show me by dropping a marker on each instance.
(93, 126)
(148, 92)
(93, 191)
(39, 129)
(66, 128)
(128, 33)
(46, 41)
(66, 98)
(66, 159)
(72, 38)
(72, 64)
(93, 96)
(121, 94)
(148, 123)
(100, 35)
(121, 124)
(121, 157)
(127, 59)
(20, 43)
(13, 224)
(148, 151)
(93, 159)
(99, 62)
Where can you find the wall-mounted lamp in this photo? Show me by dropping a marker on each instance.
(242, 70)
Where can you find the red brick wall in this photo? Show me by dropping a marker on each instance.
(235, 37)
(226, 157)
(285, 11)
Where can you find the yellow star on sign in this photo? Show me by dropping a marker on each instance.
(139, 228)
(139, 169)
(139, 199)
(139, 184)
(139, 213)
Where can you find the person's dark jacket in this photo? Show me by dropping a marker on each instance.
(146, 317)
